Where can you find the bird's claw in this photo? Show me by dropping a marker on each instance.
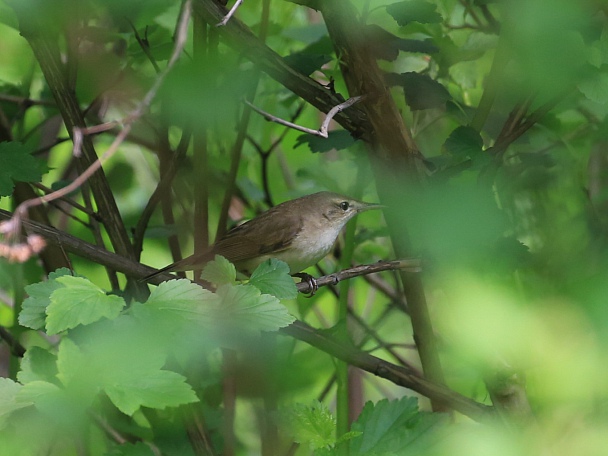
(310, 281)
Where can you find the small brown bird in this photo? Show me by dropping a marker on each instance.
(299, 232)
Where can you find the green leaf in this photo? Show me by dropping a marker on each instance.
(184, 299)
(305, 62)
(311, 425)
(17, 164)
(155, 389)
(131, 449)
(79, 302)
(386, 46)
(219, 271)
(414, 11)
(421, 92)
(272, 277)
(396, 427)
(8, 403)
(37, 364)
(464, 142)
(338, 140)
(244, 307)
(596, 88)
(33, 312)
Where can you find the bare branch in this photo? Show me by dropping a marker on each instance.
(227, 17)
(322, 131)
(411, 265)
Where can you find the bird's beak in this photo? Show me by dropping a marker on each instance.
(369, 206)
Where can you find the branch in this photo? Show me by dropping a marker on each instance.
(322, 131)
(411, 265)
(399, 375)
(245, 43)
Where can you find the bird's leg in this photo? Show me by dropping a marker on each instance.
(310, 280)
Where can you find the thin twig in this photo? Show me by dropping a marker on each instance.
(322, 131)
(227, 17)
(411, 265)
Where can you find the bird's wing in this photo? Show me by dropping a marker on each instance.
(253, 239)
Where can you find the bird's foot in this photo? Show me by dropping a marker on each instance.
(310, 280)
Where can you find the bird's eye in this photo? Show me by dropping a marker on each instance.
(344, 205)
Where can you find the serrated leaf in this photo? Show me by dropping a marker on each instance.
(17, 164)
(338, 140)
(312, 425)
(244, 307)
(219, 271)
(37, 364)
(8, 402)
(396, 427)
(272, 277)
(180, 296)
(79, 302)
(414, 11)
(33, 312)
(155, 389)
(421, 92)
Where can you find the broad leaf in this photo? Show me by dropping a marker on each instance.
(414, 11)
(219, 271)
(421, 92)
(272, 277)
(79, 302)
(182, 298)
(37, 364)
(33, 312)
(243, 307)
(396, 427)
(338, 140)
(16, 164)
(8, 403)
(155, 389)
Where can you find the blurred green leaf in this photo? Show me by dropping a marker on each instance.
(8, 402)
(414, 11)
(272, 277)
(155, 389)
(595, 88)
(38, 364)
(421, 92)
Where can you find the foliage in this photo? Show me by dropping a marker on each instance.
(482, 128)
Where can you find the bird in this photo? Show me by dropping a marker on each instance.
(299, 232)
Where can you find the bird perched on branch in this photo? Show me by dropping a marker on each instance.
(299, 232)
